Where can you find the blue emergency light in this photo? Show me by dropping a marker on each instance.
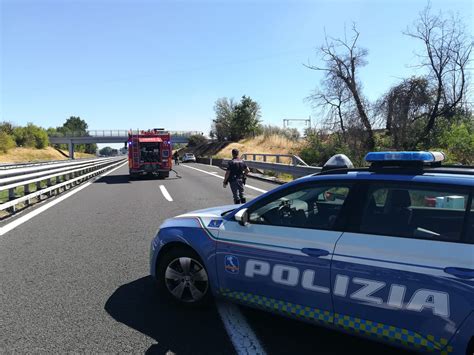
(421, 157)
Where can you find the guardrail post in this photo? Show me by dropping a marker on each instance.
(278, 159)
(265, 158)
(71, 149)
(210, 160)
(255, 157)
(11, 194)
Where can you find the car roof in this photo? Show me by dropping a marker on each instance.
(443, 175)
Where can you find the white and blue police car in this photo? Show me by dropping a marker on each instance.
(385, 252)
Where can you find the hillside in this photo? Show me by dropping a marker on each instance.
(266, 145)
(19, 155)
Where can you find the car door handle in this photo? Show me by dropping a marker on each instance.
(314, 252)
(460, 272)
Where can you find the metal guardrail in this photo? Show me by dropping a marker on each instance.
(295, 160)
(297, 168)
(55, 178)
(294, 170)
(10, 166)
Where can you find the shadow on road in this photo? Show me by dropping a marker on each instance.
(125, 179)
(114, 179)
(179, 329)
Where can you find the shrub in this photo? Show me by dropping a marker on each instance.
(6, 142)
(31, 136)
(289, 133)
(317, 151)
(458, 141)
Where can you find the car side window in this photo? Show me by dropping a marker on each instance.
(314, 207)
(420, 213)
(470, 226)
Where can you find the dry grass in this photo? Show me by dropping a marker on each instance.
(19, 155)
(265, 145)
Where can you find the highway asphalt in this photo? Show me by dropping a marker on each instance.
(75, 278)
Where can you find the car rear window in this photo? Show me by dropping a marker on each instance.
(437, 214)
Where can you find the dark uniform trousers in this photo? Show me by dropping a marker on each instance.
(237, 187)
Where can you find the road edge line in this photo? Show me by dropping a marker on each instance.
(221, 177)
(240, 333)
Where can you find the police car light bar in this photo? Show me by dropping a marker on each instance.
(421, 157)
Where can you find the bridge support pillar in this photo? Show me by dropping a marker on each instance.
(71, 149)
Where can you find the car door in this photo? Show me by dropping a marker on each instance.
(280, 260)
(405, 272)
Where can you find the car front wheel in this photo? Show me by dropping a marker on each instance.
(183, 277)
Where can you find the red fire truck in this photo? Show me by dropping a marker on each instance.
(149, 152)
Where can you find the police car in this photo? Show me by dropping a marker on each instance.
(385, 252)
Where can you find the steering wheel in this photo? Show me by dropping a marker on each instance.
(285, 213)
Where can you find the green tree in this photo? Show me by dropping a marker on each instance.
(236, 121)
(108, 151)
(221, 125)
(246, 119)
(76, 126)
(196, 140)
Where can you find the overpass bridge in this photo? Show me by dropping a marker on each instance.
(109, 136)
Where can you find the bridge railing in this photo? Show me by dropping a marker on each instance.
(21, 186)
(116, 133)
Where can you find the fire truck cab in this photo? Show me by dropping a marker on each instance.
(149, 152)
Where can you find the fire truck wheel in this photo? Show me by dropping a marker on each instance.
(183, 278)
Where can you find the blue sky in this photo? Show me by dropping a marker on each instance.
(142, 64)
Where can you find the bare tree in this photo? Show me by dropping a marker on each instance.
(342, 59)
(334, 101)
(446, 54)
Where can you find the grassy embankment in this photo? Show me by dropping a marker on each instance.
(265, 145)
(21, 155)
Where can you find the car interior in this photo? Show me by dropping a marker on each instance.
(311, 208)
(400, 213)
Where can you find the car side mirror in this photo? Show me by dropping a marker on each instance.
(242, 216)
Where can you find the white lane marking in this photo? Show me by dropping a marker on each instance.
(27, 217)
(221, 177)
(166, 193)
(242, 336)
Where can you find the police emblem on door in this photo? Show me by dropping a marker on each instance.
(231, 264)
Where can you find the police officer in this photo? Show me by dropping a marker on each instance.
(176, 157)
(235, 175)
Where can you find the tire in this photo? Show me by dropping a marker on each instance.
(164, 175)
(183, 278)
(470, 347)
